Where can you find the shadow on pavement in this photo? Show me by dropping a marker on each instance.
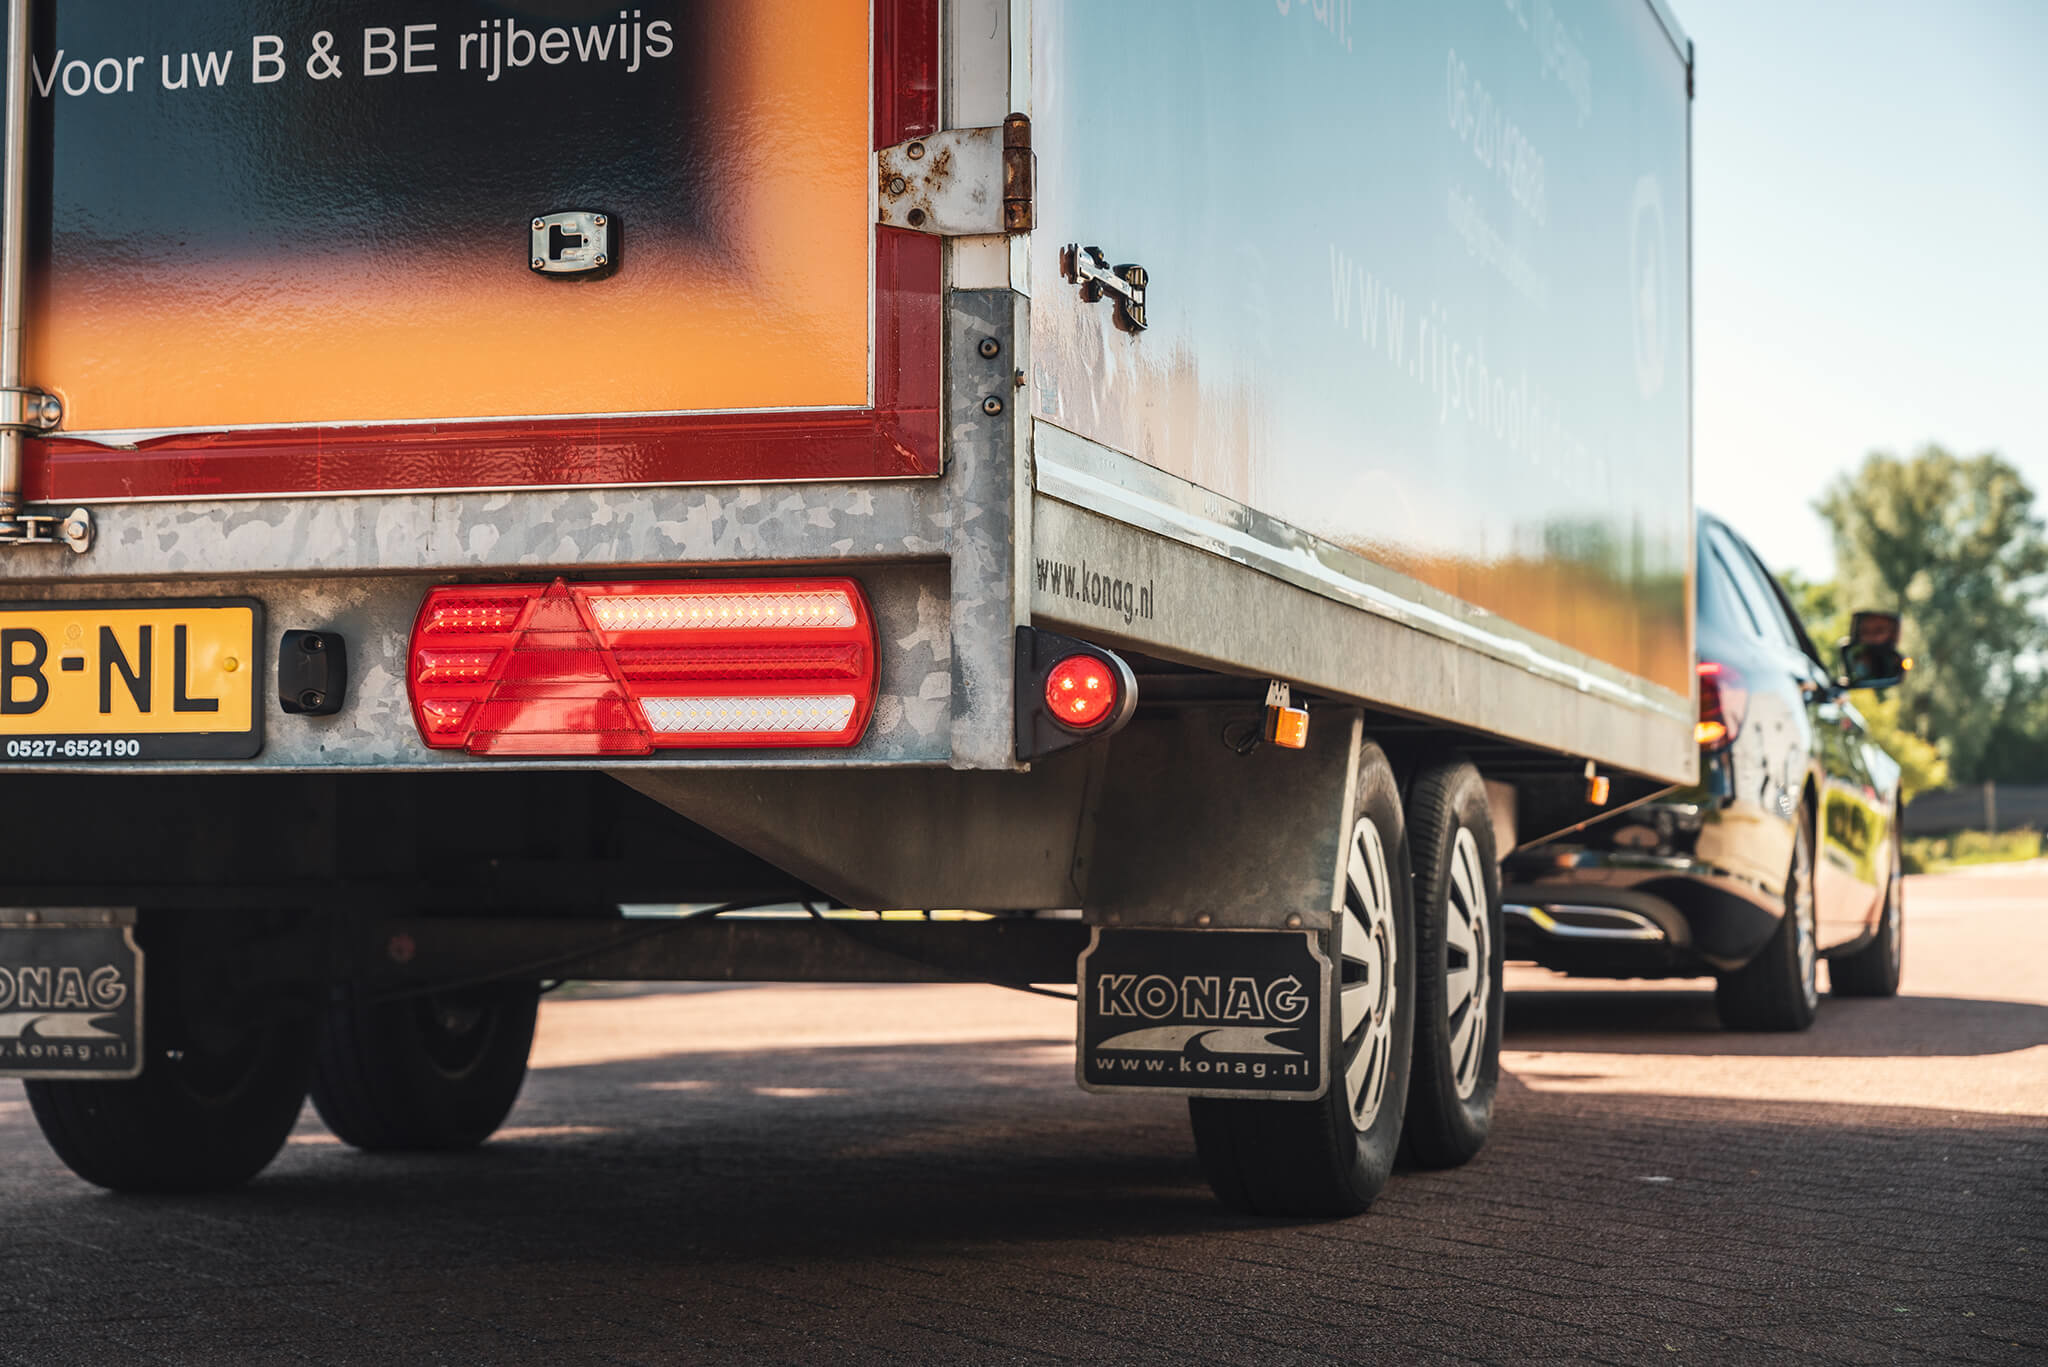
(1683, 1022)
(964, 1203)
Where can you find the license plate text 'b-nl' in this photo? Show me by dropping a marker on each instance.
(127, 681)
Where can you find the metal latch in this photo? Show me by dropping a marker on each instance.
(74, 529)
(959, 182)
(29, 410)
(1090, 269)
(571, 243)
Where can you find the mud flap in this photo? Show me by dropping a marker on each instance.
(1218, 1013)
(70, 1000)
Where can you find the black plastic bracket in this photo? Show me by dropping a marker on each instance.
(1039, 732)
(312, 673)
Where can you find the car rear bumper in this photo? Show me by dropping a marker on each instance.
(1608, 919)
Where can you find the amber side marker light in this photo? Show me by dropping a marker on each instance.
(1286, 724)
(627, 669)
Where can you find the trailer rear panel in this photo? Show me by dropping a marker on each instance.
(263, 226)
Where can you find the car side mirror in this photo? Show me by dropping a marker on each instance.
(1870, 652)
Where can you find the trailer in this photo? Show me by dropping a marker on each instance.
(1143, 501)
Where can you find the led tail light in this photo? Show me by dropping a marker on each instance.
(1723, 699)
(625, 669)
(1068, 692)
(1082, 691)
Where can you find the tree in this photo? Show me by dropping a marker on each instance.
(1955, 547)
(1921, 766)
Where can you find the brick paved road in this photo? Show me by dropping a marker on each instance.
(909, 1174)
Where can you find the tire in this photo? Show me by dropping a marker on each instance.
(1779, 989)
(430, 1072)
(1875, 969)
(1459, 946)
(203, 1116)
(1331, 1156)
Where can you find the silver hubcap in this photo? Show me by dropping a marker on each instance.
(1365, 994)
(1802, 922)
(1468, 972)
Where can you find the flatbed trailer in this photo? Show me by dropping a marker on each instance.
(1168, 495)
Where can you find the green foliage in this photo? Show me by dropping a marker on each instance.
(2018, 751)
(1921, 766)
(1954, 546)
(1819, 605)
(1932, 854)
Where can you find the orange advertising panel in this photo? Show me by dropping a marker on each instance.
(273, 214)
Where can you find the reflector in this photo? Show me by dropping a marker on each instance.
(588, 669)
(749, 714)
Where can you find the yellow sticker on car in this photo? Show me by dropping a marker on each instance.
(115, 681)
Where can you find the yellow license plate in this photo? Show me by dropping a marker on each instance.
(144, 680)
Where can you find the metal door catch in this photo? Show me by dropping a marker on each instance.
(1090, 269)
(47, 529)
(27, 413)
(29, 410)
(570, 243)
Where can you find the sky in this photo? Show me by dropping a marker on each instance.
(1870, 264)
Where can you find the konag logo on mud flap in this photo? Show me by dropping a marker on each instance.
(1250, 1020)
(64, 1017)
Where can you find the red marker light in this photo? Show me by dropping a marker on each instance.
(1081, 691)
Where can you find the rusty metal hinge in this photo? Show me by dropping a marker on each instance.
(958, 182)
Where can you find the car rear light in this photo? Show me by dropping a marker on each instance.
(625, 669)
(1723, 700)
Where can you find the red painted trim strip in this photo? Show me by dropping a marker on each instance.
(907, 43)
(898, 437)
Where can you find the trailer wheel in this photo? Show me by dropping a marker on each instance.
(1779, 989)
(210, 1110)
(434, 1072)
(1332, 1156)
(1458, 992)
